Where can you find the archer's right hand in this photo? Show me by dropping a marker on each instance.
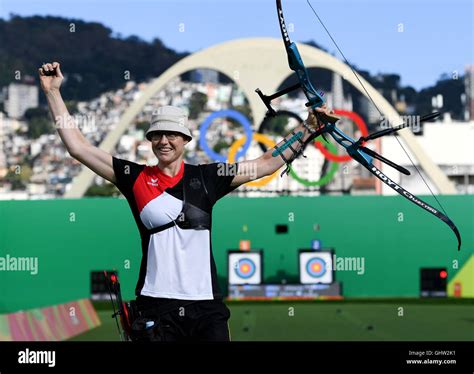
(50, 83)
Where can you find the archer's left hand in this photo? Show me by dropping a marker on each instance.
(323, 113)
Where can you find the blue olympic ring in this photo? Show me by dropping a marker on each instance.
(251, 270)
(316, 261)
(240, 118)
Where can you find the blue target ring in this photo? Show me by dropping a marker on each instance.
(316, 267)
(245, 268)
(240, 118)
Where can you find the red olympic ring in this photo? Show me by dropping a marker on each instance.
(360, 124)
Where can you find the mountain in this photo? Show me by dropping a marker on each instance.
(94, 59)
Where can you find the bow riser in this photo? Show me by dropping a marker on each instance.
(351, 146)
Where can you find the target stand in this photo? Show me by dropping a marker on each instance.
(245, 275)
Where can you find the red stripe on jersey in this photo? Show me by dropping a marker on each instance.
(151, 183)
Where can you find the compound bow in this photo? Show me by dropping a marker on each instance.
(355, 149)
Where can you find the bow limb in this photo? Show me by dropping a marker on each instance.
(362, 156)
(414, 199)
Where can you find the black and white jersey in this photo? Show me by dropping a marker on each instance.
(176, 263)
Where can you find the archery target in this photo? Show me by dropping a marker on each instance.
(316, 267)
(245, 268)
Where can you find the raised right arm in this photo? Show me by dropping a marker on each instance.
(76, 144)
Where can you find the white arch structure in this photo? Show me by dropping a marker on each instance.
(252, 63)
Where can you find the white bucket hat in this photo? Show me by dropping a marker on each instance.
(169, 118)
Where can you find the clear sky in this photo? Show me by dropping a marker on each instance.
(437, 35)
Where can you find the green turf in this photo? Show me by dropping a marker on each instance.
(363, 320)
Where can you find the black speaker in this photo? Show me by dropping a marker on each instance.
(433, 282)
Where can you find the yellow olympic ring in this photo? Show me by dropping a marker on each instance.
(261, 138)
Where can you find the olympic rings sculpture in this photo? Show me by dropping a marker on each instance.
(329, 150)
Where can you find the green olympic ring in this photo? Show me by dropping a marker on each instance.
(325, 179)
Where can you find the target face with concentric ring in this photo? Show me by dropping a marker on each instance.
(245, 268)
(316, 267)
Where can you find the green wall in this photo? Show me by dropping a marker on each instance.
(73, 237)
